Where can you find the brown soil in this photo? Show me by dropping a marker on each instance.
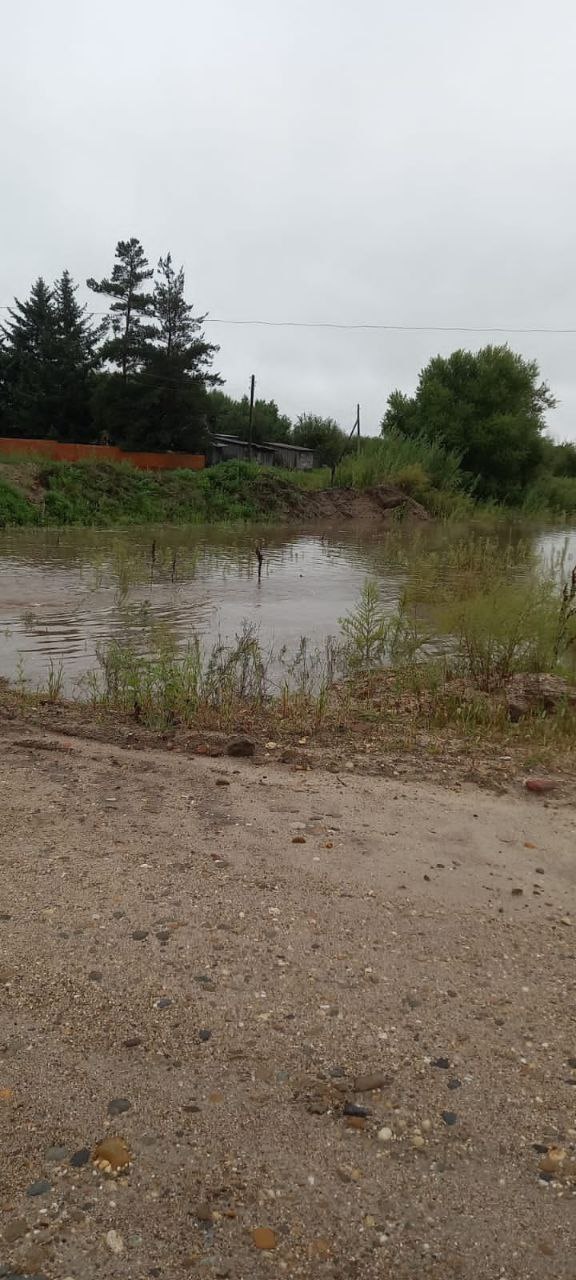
(381, 502)
(24, 476)
(220, 949)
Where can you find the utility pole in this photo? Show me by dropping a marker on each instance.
(356, 428)
(251, 415)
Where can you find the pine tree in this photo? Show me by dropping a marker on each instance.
(76, 357)
(29, 386)
(179, 331)
(176, 369)
(130, 309)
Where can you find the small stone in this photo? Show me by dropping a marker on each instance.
(95, 975)
(14, 1230)
(133, 1042)
(367, 1083)
(517, 893)
(442, 1063)
(241, 747)
(426, 1126)
(39, 1188)
(540, 785)
(139, 934)
(355, 1122)
(566, 921)
(454, 1083)
(222, 782)
(204, 1213)
(80, 1158)
(449, 1117)
(418, 1142)
(385, 1134)
(298, 839)
(264, 1238)
(115, 1242)
(111, 1156)
(118, 1105)
(31, 1259)
(163, 1003)
(351, 1109)
(553, 1161)
(56, 1154)
(204, 1034)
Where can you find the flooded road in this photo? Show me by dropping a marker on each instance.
(65, 593)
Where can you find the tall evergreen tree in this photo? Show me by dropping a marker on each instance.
(180, 333)
(177, 367)
(76, 356)
(131, 308)
(29, 358)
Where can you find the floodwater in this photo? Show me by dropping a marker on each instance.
(65, 594)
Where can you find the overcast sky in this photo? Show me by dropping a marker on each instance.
(406, 163)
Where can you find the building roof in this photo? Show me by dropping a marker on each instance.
(282, 444)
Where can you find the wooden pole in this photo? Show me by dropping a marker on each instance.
(251, 415)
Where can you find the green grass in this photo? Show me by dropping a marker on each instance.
(551, 495)
(15, 509)
(105, 494)
(415, 464)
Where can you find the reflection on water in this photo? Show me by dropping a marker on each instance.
(62, 593)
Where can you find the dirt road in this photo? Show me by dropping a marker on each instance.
(202, 957)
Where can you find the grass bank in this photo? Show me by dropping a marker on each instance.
(433, 476)
(107, 494)
(34, 492)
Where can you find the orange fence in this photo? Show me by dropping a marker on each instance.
(102, 453)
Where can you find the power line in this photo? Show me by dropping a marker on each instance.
(388, 328)
(368, 326)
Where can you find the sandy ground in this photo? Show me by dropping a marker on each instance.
(167, 947)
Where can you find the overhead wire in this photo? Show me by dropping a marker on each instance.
(369, 325)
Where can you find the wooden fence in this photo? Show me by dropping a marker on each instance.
(101, 453)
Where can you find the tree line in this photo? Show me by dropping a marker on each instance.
(141, 377)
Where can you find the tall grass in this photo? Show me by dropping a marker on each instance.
(416, 464)
(551, 495)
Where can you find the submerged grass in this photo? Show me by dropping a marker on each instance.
(433, 669)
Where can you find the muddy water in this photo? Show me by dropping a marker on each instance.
(65, 593)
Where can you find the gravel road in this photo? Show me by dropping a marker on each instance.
(209, 959)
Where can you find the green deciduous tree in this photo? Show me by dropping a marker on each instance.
(489, 406)
(232, 417)
(131, 309)
(324, 436)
